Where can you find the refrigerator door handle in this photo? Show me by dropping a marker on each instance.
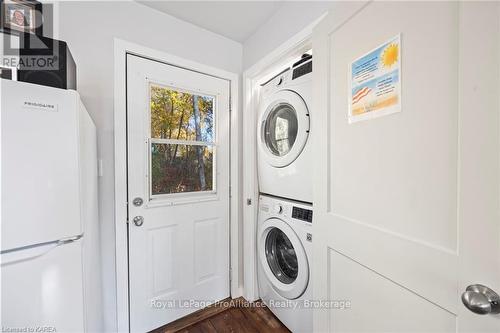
(34, 251)
(69, 240)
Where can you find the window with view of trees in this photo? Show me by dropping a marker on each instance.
(182, 141)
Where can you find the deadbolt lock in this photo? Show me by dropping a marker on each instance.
(137, 202)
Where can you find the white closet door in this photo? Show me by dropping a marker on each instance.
(407, 205)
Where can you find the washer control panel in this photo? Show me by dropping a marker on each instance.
(302, 214)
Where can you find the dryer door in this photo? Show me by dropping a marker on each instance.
(283, 258)
(283, 128)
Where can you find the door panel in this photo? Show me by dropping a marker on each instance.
(389, 218)
(206, 237)
(405, 311)
(405, 201)
(162, 267)
(178, 164)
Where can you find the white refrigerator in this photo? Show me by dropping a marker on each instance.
(50, 260)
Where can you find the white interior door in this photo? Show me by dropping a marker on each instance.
(178, 188)
(408, 216)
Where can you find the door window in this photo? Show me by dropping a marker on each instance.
(182, 145)
(280, 129)
(281, 256)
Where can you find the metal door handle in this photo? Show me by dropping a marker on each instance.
(481, 300)
(138, 220)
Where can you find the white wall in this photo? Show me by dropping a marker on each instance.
(291, 18)
(89, 29)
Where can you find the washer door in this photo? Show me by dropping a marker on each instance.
(283, 258)
(284, 128)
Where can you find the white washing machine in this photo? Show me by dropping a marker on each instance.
(284, 153)
(284, 251)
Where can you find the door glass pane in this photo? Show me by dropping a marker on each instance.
(280, 129)
(179, 168)
(181, 115)
(281, 256)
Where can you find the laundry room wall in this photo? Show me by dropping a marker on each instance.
(283, 25)
(89, 29)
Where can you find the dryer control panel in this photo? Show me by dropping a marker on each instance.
(302, 214)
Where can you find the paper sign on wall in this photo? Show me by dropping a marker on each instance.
(375, 82)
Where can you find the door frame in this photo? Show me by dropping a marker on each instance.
(253, 77)
(121, 49)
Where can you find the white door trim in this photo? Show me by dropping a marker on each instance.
(252, 78)
(121, 48)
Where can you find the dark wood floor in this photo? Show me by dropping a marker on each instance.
(238, 316)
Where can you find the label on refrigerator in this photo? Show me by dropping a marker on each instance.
(40, 106)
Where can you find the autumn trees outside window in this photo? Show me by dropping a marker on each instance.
(182, 141)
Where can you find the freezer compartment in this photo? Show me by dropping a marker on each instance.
(42, 288)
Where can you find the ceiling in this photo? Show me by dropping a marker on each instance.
(236, 20)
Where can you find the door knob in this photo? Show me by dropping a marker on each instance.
(138, 220)
(481, 300)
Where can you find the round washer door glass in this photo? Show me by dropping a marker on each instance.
(280, 129)
(281, 256)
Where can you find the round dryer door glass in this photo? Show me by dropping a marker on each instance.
(281, 256)
(280, 129)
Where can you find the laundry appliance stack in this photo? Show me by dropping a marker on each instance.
(285, 171)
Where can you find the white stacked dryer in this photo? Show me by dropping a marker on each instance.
(284, 153)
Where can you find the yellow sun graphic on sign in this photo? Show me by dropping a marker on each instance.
(390, 55)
